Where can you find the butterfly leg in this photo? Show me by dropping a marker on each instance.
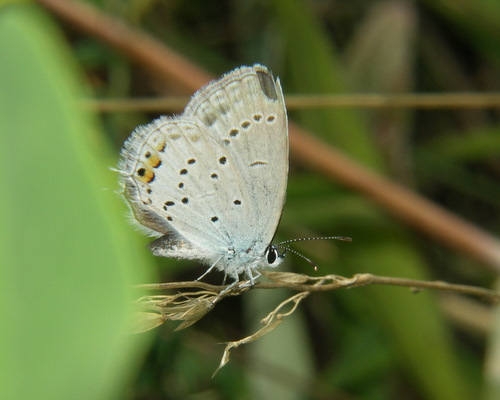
(209, 269)
(229, 287)
(251, 277)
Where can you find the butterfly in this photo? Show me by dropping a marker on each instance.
(211, 182)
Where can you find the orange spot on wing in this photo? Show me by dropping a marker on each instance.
(161, 147)
(145, 175)
(154, 161)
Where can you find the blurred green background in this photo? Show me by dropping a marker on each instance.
(68, 257)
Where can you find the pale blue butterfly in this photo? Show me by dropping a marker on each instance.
(212, 181)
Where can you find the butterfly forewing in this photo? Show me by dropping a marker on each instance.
(245, 112)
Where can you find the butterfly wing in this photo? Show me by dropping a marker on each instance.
(245, 113)
(213, 180)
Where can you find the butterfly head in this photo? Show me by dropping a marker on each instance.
(251, 259)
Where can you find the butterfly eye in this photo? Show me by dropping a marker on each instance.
(272, 255)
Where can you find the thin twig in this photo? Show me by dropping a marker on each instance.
(301, 283)
(189, 307)
(301, 102)
(182, 285)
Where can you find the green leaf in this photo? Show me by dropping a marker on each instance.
(67, 265)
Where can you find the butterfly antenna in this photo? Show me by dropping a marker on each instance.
(343, 238)
(314, 265)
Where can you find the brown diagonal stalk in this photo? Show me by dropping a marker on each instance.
(138, 46)
(402, 202)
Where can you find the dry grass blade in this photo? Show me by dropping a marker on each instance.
(270, 322)
(145, 321)
(188, 307)
(287, 277)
